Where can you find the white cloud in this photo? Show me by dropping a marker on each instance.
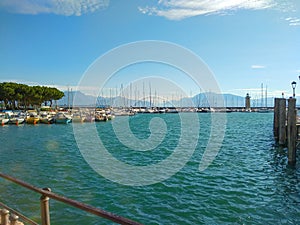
(293, 21)
(180, 9)
(258, 67)
(60, 7)
(30, 83)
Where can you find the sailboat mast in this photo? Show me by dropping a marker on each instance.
(199, 98)
(150, 95)
(72, 100)
(110, 98)
(266, 100)
(130, 98)
(262, 94)
(155, 99)
(68, 98)
(122, 96)
(116, 98)
(144, 94)
(135, 95)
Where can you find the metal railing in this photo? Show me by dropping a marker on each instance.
(14, 216)
(47, 194)
(7, 219)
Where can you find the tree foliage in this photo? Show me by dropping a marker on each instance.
(15, 96)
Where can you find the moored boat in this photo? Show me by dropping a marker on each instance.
(62, 118)
(263, 110)
(46, 118)
(110, 116)
(32, 118)
(89, 118)
(77, 118)
(16, 120)
(3, 119)
(101, 117)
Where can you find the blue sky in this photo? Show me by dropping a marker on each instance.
(243, 42)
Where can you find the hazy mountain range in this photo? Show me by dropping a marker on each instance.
(200, 100)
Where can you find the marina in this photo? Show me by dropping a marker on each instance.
(18, 117)
(91, 114)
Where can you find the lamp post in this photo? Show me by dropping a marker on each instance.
(294, 86)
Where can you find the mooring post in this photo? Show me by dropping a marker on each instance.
(282, 121)
(45, 215)
(276, 119)
(4, 217)
(292, 130)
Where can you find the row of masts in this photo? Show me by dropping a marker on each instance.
(134, 97)
(153, 99)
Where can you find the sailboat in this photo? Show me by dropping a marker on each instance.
(264, 109)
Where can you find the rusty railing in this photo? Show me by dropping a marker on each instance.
(47, 194)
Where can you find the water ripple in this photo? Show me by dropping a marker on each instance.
(249, 182)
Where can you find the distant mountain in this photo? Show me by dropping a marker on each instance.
(208, 99)
(81, 99)
(215, 100)
(230, 100)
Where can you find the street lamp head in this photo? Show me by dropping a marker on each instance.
(293, 84)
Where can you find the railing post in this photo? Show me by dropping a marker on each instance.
(45, 215)
(4, 217)
(14, 219)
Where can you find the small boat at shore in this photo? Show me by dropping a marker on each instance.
(16, 120)
(172, 110)
(110, 116)
(89, 119)
(125, 113)
(263, 110)
(102, 117)
(46, 118)
(32, 119)
(3, 119)
(77, 118)
(62, 118)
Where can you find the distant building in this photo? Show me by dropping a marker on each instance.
(247, 102)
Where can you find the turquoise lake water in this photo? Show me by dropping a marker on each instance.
(249, 182)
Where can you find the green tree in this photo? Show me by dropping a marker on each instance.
(7, 94)
(15, 95)
(55, 94)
